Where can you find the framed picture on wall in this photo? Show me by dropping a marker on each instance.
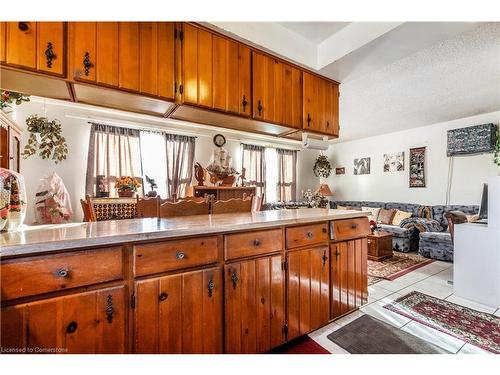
(417, 167)
(394, 162)
(340, 170)
(362, 166)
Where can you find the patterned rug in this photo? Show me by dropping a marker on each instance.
(400, 264)
(475, 327)
(373, 280)
(300, 345)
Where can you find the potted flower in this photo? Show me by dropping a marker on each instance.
(127, 186)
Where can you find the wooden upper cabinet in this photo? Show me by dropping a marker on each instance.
(308, 290)
(91, 322)
(263, 87)
(179, 313)
(320, 105)
(83, 51)
(166, 60)
(107, 53)
(292, 97)
(128, 55)
(34, 45)
(254, 305)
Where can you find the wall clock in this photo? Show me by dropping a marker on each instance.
(219, 140)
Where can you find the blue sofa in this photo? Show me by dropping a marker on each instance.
(435, 245)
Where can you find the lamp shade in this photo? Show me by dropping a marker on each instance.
(324, 190)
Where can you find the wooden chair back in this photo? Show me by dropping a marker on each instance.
(147, 207)
(88, 211)
(192, 199)
(183, 208)
(257, 202)
(232, 206)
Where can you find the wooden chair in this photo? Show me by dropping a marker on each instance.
(257, 202)
(148, 207)
(232, 206)
(183, 208)
(192, 199)
(88, 211)
(454, 217)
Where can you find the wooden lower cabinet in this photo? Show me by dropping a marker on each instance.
(90, 322)
(308, 290)
(254, 305)
(348, 276)
(179, 313)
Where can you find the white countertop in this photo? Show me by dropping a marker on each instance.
(47, 238)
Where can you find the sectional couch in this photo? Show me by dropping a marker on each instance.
(435, 244)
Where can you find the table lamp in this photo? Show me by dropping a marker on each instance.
(324, 191)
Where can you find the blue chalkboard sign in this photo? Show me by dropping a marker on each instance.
(472, 140)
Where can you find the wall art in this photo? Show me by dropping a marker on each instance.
(394, 162)
(340, 170)
(362, 166)
(417, 167)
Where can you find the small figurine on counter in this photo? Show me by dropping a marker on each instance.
(199, 174)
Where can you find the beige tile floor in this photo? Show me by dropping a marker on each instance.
(432, 279)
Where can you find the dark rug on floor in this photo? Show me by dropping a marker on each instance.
(475, 327)
(367, 335)
(300, 345)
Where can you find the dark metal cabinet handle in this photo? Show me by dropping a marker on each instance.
(180, 255)
(328, 124)
(309, 120)
(324, 258)
(354, 226)
(86, 63)
(72, 327)
(23, 26)
(49, 54)
(163, 296)
(256, 242)
(234, 279)
(210, 287)
(309, 235)
(260, 108)
(323, 230)
(109, 308)
(62, 272)
(244, 103)
(337, 253)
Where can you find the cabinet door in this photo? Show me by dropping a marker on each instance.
(349, 276)
(244, 80)
(148, 57)
(21, 44)
(179, 313)
(107, 53)
(308, 290)
(128, 55)
(3, 35)
(260, 85)
(205, 69)
(334, 109)
(292, 96)
(309, 102)
(51, 47)
(190, 64)
(82, 50)
(166, 80)
(92, 322)
(254, 305)
(225, 70)
(14, 149)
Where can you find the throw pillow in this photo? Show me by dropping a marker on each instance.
(374, 212)
(399, 216)
(472, 218)
(385, 216)
(353, 208)
(341, 207)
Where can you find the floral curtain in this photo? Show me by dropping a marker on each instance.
(253, 161)
(287, 175)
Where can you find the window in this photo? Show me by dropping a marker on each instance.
(154, 161)
(287, 175)
(252, 160)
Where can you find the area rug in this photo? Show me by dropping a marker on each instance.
(301, 345)
(367, 335)
(373, 280)
(475, 327)
(397, 266)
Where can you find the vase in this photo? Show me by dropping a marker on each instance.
(152, 194)
(228, 180)
(126, 194)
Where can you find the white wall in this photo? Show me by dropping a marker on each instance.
(77, 130)
(469, 172)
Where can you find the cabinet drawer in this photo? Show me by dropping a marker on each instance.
(37, 275)
(172, 255)
(350, 228)
(306, 235)
(248, 244)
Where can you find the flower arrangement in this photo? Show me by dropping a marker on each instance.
(126, 186)
(322, 167)
(46, 137)
(373, 226)
(9, 97)
(496, 152)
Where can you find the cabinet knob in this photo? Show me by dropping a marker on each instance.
(244, 103)
(23, 26)
(62, 272)
(163, 296)
(109, 308)
(49, 54)
(72, 327)
(324, 258)
(234, 279)
(309, 120)
(256, 242)
(354, 226)
(260, 108)
(86, 63)
(210, 287)
(309, 235)
(180, 255)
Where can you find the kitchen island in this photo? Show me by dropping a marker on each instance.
(229, 283)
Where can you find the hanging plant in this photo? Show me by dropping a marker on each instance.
(46, 137)
(322, 167)
(9, 97)
(496, 153)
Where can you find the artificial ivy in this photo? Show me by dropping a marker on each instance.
(322, 167)
(9, 97)
(496, 153)
(52, 144)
